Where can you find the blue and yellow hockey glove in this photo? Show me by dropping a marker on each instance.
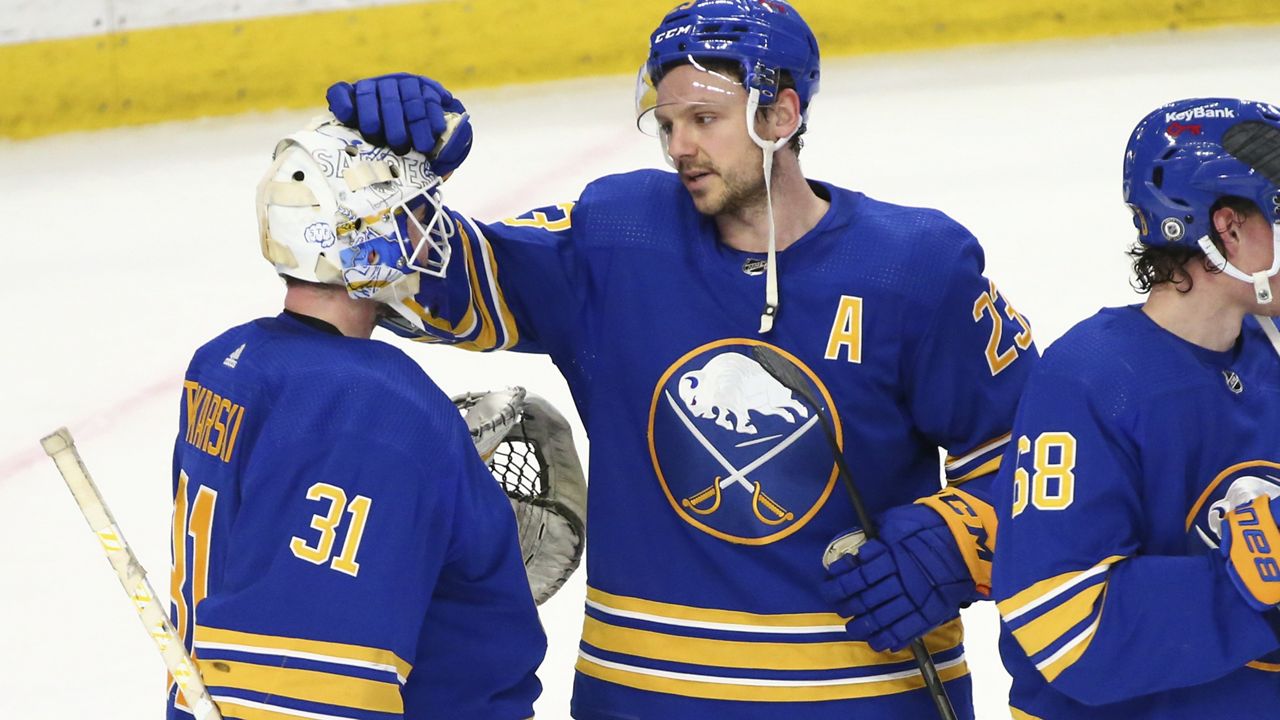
(902, 585)
(404, 112)
(1251, 546)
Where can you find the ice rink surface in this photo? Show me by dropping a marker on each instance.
(132, 247)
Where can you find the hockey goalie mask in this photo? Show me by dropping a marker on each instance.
(334, 209)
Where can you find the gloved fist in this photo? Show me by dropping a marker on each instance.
(903, 584)
(406, 112)
(1251, 546)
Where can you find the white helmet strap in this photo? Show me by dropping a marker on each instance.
(1269, 328)
(771, 266)
(1260, 279)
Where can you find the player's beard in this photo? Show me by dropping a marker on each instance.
(735, 192)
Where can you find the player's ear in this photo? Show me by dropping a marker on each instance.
(781, 118)
(1226, 222)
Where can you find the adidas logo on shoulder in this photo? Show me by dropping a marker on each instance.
(234, 358)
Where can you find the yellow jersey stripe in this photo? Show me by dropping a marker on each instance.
(508, 321)
(1263, 666)
(464, 326)
(688, 616)
(756, 655)
(760, 690)
(1052, 666)
(330, 652)
(1046, 629)
(1019, 715)
(307, 685)
(488, 336)
(1046, 590)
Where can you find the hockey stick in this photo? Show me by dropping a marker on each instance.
(791, 377)
(133, 577)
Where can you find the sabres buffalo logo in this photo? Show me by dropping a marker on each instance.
(737, 454)
(1235, 486)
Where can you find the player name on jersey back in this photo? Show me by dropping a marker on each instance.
(213, 421)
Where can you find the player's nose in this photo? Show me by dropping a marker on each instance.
(680, 142)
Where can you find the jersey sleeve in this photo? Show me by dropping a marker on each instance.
(340, 559)
(477, 607)
(1094, 615)
(965, 375)
(967, 371)
(509, 285)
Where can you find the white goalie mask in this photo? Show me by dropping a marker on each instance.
(336, 210)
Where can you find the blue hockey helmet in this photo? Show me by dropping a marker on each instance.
(764, 37)
(1186, 155)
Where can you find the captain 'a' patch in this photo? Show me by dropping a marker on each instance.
(738, 456)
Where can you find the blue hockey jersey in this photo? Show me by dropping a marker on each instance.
(1130, 446)
(339, 548)
(712, 492)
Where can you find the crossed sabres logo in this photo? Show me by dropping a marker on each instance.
(712, 411)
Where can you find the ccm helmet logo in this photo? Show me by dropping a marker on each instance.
(682, 30)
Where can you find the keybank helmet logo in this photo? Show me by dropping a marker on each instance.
(1200, 112)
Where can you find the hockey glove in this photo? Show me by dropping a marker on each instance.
(406, 112)
(902, 585)
(1251, 545)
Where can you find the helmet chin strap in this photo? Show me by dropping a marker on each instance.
(1259, 280)
(1269, 328)
(771, 266)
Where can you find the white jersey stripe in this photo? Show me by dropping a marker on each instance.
(709, 625)
(332, 660)
(1092, 572)
(762, 682)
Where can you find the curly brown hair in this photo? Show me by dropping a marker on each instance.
(1154, 265)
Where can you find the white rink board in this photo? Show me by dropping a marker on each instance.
(35, 20)
(128, 248)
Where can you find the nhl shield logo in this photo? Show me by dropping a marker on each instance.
(1234, 384)
(737, 455)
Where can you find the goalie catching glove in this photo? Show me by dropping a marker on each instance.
(529, 448)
